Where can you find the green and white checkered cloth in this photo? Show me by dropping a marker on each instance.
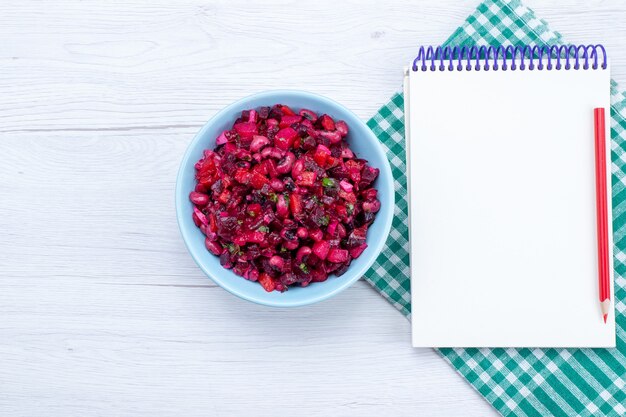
(517, 382)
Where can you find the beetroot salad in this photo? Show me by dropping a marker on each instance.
(282, 199)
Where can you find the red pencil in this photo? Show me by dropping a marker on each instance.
(604, 275)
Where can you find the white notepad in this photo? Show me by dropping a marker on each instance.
(503, 204)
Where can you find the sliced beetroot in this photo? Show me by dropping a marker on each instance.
(264, 112)
(282, 200)
(357, 251)
(287, 110)
(267, 282)
(337, 255)
(246, 129)
(295, 203)
(320, 249)
(321, 155)
(326, 122)
(356, 237)
(342, 128)
(287, 121)
(284, 138)
(306, 178)
(221, 139)
(316, 234)
(371, 206)
(258, 180)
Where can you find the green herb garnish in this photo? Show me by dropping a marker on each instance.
(232, 248)
(350, 208)
(304, 268)
(263, 229)
(328, 182)
(273, 197)
(324, 221)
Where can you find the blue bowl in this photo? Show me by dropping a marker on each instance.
(361, 140)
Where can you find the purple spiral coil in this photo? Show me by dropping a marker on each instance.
(487, 57)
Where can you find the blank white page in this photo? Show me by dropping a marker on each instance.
(503, 208)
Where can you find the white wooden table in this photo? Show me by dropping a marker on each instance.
(102, 311)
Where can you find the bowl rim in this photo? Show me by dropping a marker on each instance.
(377, 246)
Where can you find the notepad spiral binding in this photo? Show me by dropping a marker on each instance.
(481, 56)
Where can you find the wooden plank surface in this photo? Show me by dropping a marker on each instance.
(102, 311)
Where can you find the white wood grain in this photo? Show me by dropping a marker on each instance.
(102, 311)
